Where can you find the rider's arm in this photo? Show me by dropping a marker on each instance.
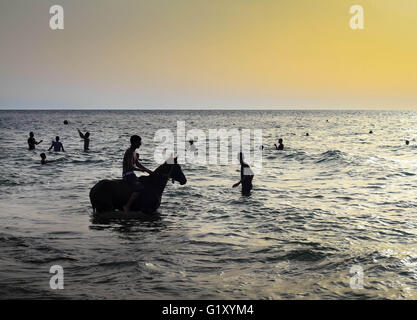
(140, 167)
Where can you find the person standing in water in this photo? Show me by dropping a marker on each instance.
(280, 146)
(32, 142)
(86, 138)
(131, 164)
(58, 146)
(246, 177)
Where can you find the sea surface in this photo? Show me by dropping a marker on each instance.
(336, 199)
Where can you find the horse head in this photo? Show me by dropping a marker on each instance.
(170, 169)
(175, 172)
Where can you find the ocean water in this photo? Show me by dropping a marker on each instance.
(337, 199)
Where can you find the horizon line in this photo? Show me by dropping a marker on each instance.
(210, 109)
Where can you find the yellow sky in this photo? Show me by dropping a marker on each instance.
(195, 53)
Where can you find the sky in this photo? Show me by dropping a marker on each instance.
(217, 54)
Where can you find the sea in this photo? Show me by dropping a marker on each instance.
(332, 216)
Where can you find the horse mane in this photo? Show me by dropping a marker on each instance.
(162, 169)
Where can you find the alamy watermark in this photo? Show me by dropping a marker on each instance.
(356, 281)
(57, 280)
(213, 146)
(357, 21)
(56, 22)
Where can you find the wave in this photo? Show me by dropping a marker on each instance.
(401, 174)
(332, 156)
(298, 155)
(88, 161)
(305, 255)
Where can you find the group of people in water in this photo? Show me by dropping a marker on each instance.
(131, 163)
(56, 145)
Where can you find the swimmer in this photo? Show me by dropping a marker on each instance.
(32, 142)
(58, 146)
(407, 142)
(280, 146)
(192, 147)
(86, 138)
(43, 159)
(246, 177)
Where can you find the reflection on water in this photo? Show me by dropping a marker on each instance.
(337, 198)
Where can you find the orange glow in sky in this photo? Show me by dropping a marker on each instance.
(209, 54)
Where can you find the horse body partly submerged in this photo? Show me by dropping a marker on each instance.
(110, 195)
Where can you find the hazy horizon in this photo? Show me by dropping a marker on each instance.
(255, 108)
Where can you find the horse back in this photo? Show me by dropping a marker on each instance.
(109, 194)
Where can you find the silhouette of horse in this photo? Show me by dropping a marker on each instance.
(110, 195)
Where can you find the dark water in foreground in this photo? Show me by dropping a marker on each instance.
(336, 199)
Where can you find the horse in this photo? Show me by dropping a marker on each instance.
(111, 195)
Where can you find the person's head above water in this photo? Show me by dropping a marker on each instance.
(280, 141)
(57, 138)
(31, 134)
(87, 134)
(407, 142)
(43, 156)
(191, 141)
(135, 141)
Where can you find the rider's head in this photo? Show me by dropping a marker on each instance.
(135, 141)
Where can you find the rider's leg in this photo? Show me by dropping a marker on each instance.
(136, 187)
(132, 198)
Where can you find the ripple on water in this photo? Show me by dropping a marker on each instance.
(338, 198)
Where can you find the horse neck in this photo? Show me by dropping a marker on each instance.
(160, 179)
